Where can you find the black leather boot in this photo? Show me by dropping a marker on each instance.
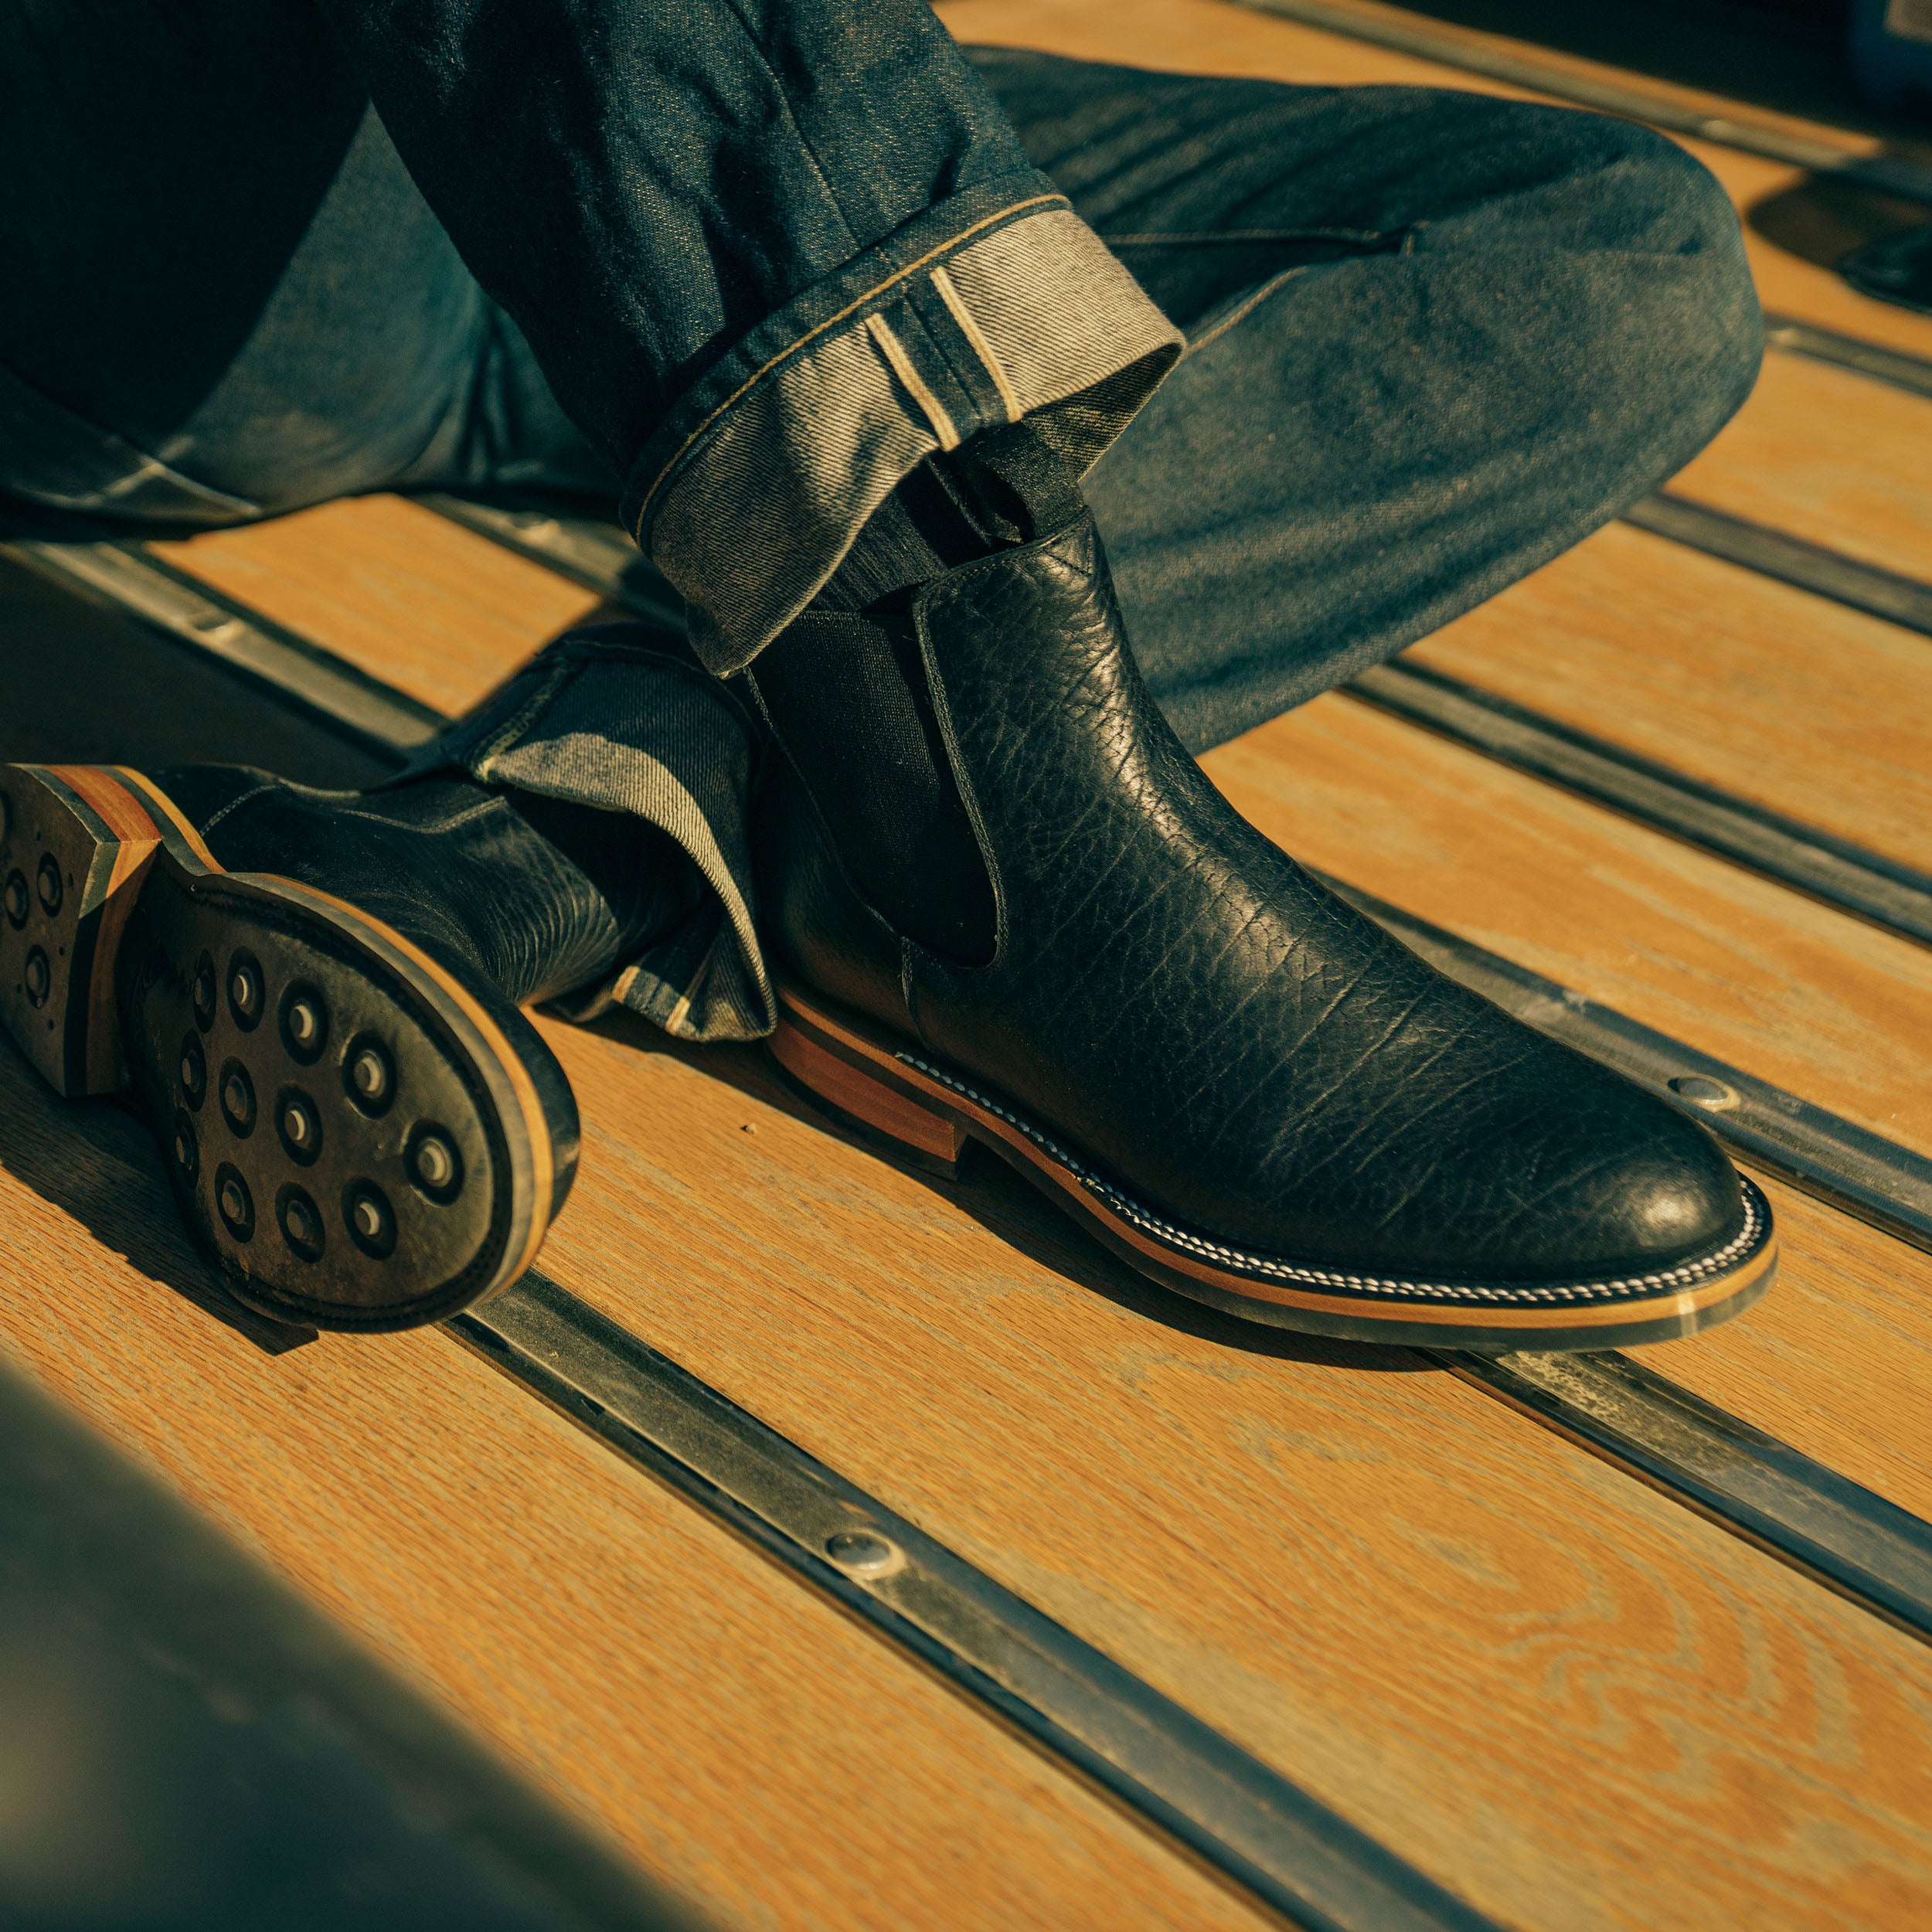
(1250, 1092)
(315, 998)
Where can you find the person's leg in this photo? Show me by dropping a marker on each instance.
(1434, 339)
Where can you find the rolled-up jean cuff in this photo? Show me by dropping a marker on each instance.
(600, 720)
(999, 303)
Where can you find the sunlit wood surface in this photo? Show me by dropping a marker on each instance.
(770, 1759)
(1550, 1687)
(1783, 698)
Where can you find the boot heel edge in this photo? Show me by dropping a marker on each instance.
(57, 996)
(933, 1139)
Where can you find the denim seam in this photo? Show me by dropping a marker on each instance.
(977, 341)
(950, 246)
(791, 115)
(915, 386)
(1252, 301)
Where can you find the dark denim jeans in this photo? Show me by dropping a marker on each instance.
(1433, 338)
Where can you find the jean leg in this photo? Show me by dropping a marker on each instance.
(1434, 339)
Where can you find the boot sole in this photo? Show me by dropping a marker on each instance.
(350, 1133)
(928, 1113)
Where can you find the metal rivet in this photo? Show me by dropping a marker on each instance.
(305, 1023)
(299, 1220)
(863, 1553)
(435, 1163)
(17, 898)
(184, 1150)
(205, 995)
(39, 977)
(49, 880)
(235, 1095)
(370, 1074)
(1701, 1092)
(193, 1072)
(245, 990)
(234, 1203)
(369, 1215)
(297, 1124)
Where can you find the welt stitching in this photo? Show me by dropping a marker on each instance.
(1685, 1275)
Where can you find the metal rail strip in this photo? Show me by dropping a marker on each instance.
(374, 716)
(1256, 1828)
(1240, 1816)
(1826, 573)
(1890, 174)
(1892, 366)
(1751, 1484)
(1842, 875)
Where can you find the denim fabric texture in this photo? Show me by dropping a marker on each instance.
(1433, 338)
(694, 214)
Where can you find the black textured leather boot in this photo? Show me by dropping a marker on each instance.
(314, 996)
(1249, 1091)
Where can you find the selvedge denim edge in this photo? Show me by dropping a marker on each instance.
(998, 303)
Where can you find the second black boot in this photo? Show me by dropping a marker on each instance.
(1006, 905)
(315, 998)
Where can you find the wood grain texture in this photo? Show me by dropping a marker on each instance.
(1837, 1359)
(1781, 697)
(1208, 37)
(1813, 1000)
(774, 1762)
(1825, 454)
(396, 589)
(1551, 1688)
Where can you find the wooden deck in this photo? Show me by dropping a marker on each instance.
(1553, 1689)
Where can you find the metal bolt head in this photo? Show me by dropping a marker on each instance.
(184, 1149)
(299, 1223)
(435, 1161)
(298, 1125)
(370, 1220)
(305, 1023)
(1702, 1092)
(368, 1073)
(49, 878)
(863, 1552)
(204, 995)
(38, 977)
(194, 1073)
(234, 1203)
(16, 898)
(245, 990)
(235, 1095)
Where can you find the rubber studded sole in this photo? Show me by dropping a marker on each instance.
(350, 1131)
(928, 1113)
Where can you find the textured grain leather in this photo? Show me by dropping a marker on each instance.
(1197, 1016)
(537, 896)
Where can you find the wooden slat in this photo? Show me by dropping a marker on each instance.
(394, 588)
(1788, 699)
(1551, 1688)
(1837, 1359)
(1207, 36)
(1826, 455)
(766, 1756)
